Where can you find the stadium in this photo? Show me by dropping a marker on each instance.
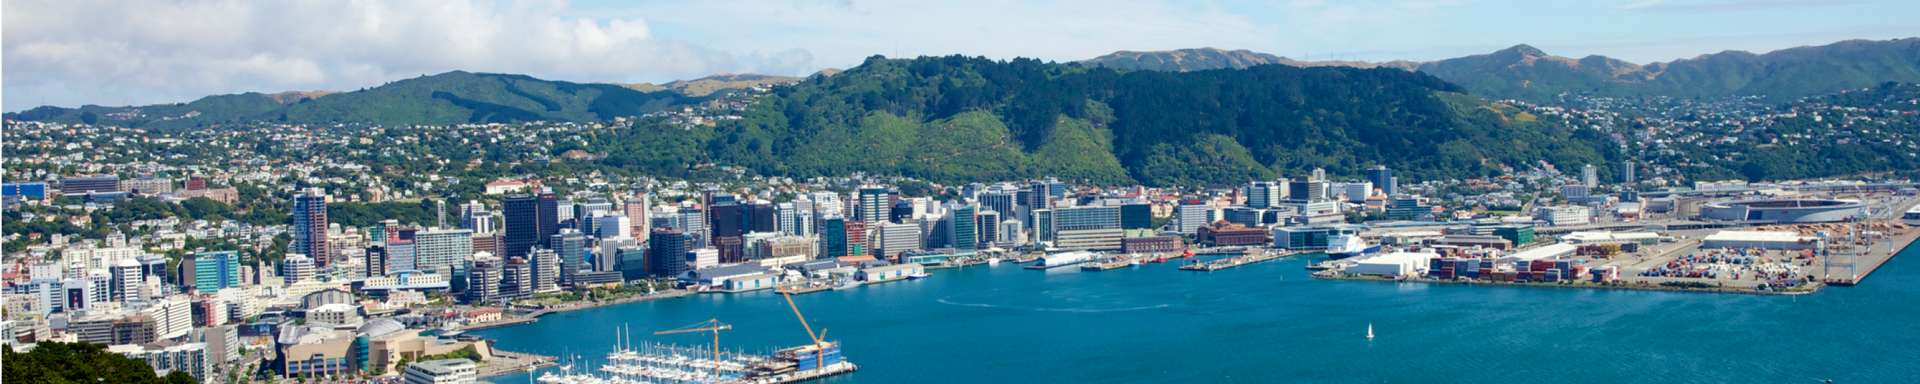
(1785, 211)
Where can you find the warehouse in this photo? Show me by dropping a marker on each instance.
(1759, 239)
(1394, 264)
(1544, 252)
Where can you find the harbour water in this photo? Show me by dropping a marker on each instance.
(1270, 322)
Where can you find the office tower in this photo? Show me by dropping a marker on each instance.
(897, 238)
(1382, 178)
(475, 217)
(570, 246)
(1191, 215)
(310, 226)
(796, 217)
(874, 204)
(963, 228)
(213, 271)
(483, 279)
(1042, 225)
(1319, 174)
(546, 269)
(89, 184)
(901, 212)
(729, 219)
(1307, 191)
(986, 225)
(666, 253)
(1039, 195)
(1136, 214)
(1589, 176)
(637, 208)
(376, 261)
(1007, 203)
(857, 238)
(632, 262)
(614, 227)
(1091, 227)
(1626, 174)
(441, 250)
(760, 218)
(833, 237)
(694, 222)
(605, 256)
(530, 219)
(516, 278)
(296, 268)
(1263, 194)
(127, 282)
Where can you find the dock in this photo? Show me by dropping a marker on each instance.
(1252, 257)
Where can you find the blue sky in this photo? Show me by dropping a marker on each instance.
(118, 53)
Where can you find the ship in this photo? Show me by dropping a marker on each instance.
(1343, 246)
(1063, 259)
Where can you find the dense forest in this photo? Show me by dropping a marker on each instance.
(958, 118)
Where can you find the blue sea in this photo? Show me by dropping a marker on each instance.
(1271, 322)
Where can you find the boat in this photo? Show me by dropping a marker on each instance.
(1912, 216)
(993, 261)
(1369, 331)
(849, 284)
(918, 275)
(1343, 246)
(1063, 259)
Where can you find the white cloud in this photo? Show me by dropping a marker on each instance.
(109, 52)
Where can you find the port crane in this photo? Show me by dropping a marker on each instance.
(711, 325)
(819, 340)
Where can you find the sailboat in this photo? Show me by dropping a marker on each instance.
(1369, 331)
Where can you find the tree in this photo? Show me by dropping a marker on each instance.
(61, 363)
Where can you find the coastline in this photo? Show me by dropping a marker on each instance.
(535, 315)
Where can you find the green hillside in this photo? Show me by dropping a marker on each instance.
(968, 119)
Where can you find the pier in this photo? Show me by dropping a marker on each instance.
(1251, 257)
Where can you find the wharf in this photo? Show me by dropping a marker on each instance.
(1107, 265)
(1232, 262)
(505, 363)
(1866, 262)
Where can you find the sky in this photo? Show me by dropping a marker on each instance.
(74, 52)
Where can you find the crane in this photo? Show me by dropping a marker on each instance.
(711, 325)
(819, 340)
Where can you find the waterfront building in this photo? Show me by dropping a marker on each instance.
(666, 255)
(1087, 228)
(1231, 235)
(310, 227)
(530, 219)
(963, 227)
(1309, 238)
(897, 238)
(986, 223)
(833, 237)
(444, 371)
(483, 278)
(1042, 223)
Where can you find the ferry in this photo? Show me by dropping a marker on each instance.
(1912, 217)
(1064, 259)
(1343, 246)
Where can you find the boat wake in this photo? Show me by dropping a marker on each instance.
(1045, 309)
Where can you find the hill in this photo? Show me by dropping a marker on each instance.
(971, 119)
(1527, 73)
(447, 98)
(708, 85)
(1199, 59)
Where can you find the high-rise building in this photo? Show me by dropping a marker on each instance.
(296, 268)
(897, 238)
(729, 219)
(1039, 196)
(475, 217)
(483, 279)
(637, 208)
(441, 250)
(796, 217)
(857, 238)
(614, 227)
(667, 252)
(376, 261)
(530, 219)
(1589, 176)
(1626, 174)
(964, 229)
(1309, 190)
(516, 278)
(214, 271)
(1005, 202)
(833, 237)
(1382, 178)
(987, 225)
(760, 218)
(1042, 224)
(1137, 214)
(901, 212)
(874, 204)
(1263, 194)
(310, 226)
(570, 246)
(1190, 215)
(546, 269)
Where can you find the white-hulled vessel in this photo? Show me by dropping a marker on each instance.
(1063, 259)
(1343, 246)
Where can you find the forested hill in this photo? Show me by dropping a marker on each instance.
(448, 98)
(964, 119)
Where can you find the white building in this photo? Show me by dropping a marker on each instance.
(448, 371)
(1759, 239)
(1564, 215)
(1396, 264)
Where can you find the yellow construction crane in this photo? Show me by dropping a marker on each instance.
(819, 340)
(711, 325)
